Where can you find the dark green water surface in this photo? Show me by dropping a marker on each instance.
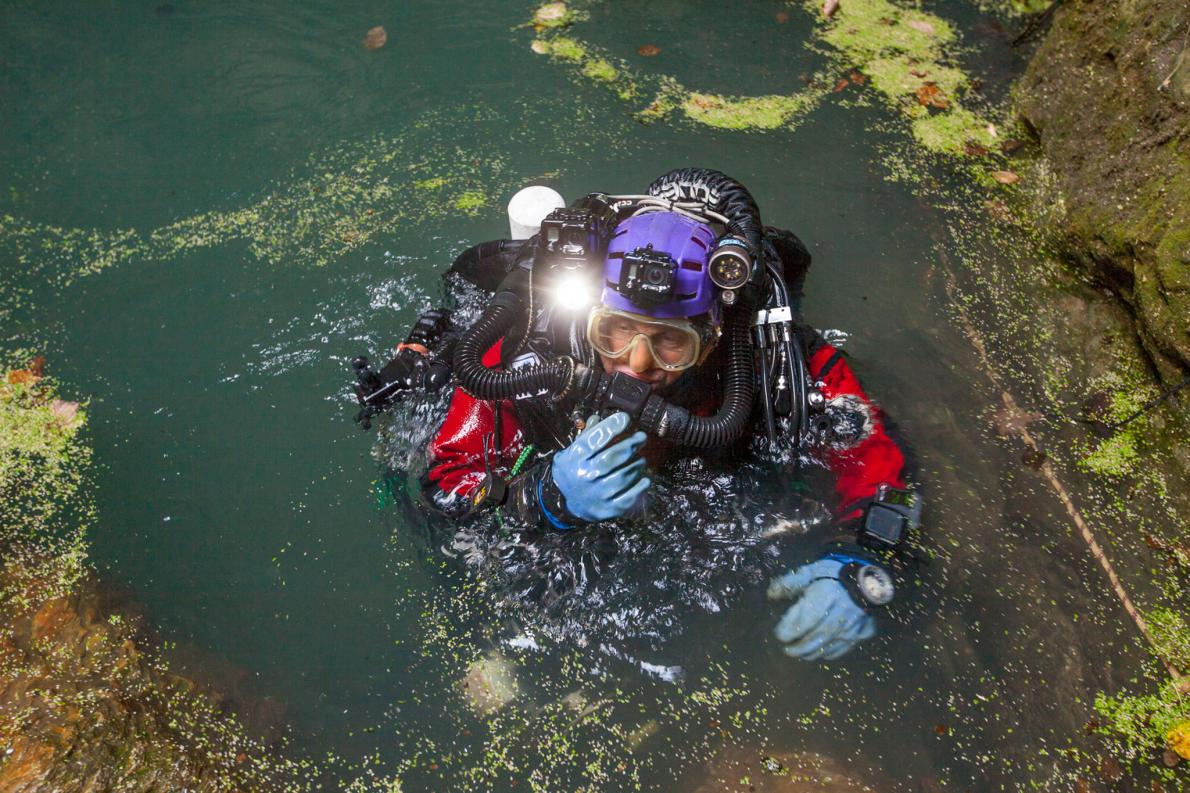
(237, 498)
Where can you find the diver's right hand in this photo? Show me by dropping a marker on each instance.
(598, 479)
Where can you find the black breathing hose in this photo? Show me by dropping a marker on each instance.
(495, 321)
(563, 377)
(721, 194)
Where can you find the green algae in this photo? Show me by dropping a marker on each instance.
(470, 202)
(600, 69)
(900, 49)
(97, 701)
(750, 112)
(566, 49)
(338, 202)
(718, 111)
(903, 51)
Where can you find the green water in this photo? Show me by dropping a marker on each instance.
(237, 496)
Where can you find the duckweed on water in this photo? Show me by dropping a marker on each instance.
(903, 49)
(720, 111)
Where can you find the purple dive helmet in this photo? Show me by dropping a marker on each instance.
(657, 266)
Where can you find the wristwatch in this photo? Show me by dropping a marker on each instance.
(868, 584)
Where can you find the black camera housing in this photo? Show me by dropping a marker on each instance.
(574, 236)
(648, 277)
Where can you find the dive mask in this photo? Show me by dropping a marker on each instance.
(675, 344)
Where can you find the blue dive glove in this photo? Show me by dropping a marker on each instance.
(598, 479)
(826, 621)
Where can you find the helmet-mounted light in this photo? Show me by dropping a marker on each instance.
(730, 264)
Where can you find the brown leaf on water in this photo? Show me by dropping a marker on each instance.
(921, 25)
(648, 50)
(1009, 422)
(857, 77)
(1091, 726)
(829, 8)
(1006, 177)
(22, 377)
(1081, 786)
(973, 149)
(376, 38)
(37, 365)
(782, 17)
(941, 729)
(931, 95)
(841, 84)
(1110, 769)
(65, 413)
(1033, 458)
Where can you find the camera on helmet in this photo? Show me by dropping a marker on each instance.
(647, 277)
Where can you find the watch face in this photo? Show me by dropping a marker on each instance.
(875, 584)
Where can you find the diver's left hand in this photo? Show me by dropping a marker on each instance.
(825, 622)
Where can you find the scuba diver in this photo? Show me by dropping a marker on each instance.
(633, 330)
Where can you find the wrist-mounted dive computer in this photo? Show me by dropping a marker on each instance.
(870, 585)
(889, 517)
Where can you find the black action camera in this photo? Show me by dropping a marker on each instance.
(648, 277)
(572, 237)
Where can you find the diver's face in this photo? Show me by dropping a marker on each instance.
(638, 361)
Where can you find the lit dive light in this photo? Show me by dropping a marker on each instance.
(730, 265)
(572, 290)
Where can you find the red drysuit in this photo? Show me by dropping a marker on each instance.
(873, 458)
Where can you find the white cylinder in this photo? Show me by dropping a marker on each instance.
(529, 207)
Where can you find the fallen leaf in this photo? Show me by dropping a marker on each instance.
(1091, 726)
(857, 77)
(829, 8)
(1081, 786)
(648, 50)
(998, 210)
(918, 74)
(539, 46)
(22, 377)
(941, 729)
(1012, 421)
(973, 149)
(841, 84)
(992, 130)
(1110, 769)
(921, 25)
(1033, 458)
(1170, 758)
(930, 94)
(550, 12)
(66, 413)
(782, 17)
(376, 38)
(1010, 145)
(37, 365)
(1006, 177)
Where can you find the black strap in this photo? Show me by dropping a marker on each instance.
(836, 356)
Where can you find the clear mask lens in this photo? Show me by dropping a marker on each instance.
(673, 343)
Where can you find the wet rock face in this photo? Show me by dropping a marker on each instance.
(1108, 96)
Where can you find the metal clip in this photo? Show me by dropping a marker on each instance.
(773, 316)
